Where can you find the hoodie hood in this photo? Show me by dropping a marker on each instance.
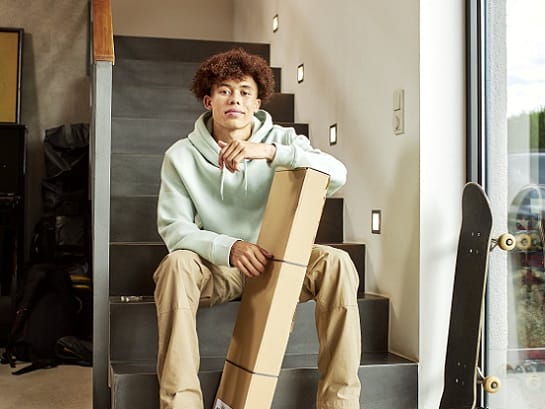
(201, 137)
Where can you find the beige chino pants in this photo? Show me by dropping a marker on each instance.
(184, 281)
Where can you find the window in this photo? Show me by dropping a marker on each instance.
(514, 127)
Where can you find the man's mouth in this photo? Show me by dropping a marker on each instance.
(234, 112)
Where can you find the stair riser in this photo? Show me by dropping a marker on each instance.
(127, 212)
(165, 49)
(131, 101)
(148, 136)
(154, 102)
(164, 73)
(153, 73)
(132, 266)
(139, 175)
(133, 329)
(383, 387)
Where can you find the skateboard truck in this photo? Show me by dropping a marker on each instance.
(491, 384)
(505, 241)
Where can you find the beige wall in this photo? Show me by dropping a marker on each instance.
(355, 55)
(199, 19)
(55, 85)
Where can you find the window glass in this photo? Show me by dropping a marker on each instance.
(515, 93)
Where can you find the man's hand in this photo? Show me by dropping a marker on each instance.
(249, 258)
(235, 151)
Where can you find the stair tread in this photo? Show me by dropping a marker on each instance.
(290, 362)
(114, 299)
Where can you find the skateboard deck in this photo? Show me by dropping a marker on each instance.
(466, 316)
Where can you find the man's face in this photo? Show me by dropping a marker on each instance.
(233, 104)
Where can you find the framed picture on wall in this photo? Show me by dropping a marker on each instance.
(11, 45)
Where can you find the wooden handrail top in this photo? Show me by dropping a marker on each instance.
(103, 34)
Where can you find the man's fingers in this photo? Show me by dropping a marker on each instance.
(231, 154)
(250, 259)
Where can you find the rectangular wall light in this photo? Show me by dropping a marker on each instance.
(376, 221)
(275, 23)
(333, 134)
(300, 73)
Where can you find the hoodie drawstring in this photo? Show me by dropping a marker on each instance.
(245, 178)
(221, 182)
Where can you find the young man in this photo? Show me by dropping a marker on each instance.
(214, 188)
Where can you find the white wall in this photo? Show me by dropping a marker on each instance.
(442, 175)
(198, 19)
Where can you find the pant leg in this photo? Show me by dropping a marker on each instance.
(183, 282)
(332, 281)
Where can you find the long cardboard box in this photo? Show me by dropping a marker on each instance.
(244, 389)
(261, 332)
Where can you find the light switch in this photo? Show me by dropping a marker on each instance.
(398, 99)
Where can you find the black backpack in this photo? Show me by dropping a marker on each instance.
(46, 311)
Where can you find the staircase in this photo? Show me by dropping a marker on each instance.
(152, 107)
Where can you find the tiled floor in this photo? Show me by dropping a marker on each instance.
(63, 387)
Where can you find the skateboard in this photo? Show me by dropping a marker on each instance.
(462, 373)
(526, 262)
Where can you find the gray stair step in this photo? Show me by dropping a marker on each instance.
(170, 102)
(164, 73)
(277, 74)
(139, 101)
(132, 266)
(133, 328)
(388, 381)
(153, 136)
(153, 73)
(187, 50)
(300, 128)
(331, 228)
(133, 217)
(281, 107)
(149, 136)
(138, 174)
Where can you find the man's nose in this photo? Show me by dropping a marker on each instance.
(235, 98)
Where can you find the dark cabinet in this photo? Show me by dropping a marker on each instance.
(12, 200)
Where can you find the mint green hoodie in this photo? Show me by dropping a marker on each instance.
(206, 209)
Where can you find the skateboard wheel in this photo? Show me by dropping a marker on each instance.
(524, 242)
(507, 241)
(491, 384)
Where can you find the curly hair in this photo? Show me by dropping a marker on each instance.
(233, 64)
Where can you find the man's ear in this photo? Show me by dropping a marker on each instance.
(207, 102)
(257, 104)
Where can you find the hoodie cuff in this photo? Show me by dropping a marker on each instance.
(284, 156)
(221, 249)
